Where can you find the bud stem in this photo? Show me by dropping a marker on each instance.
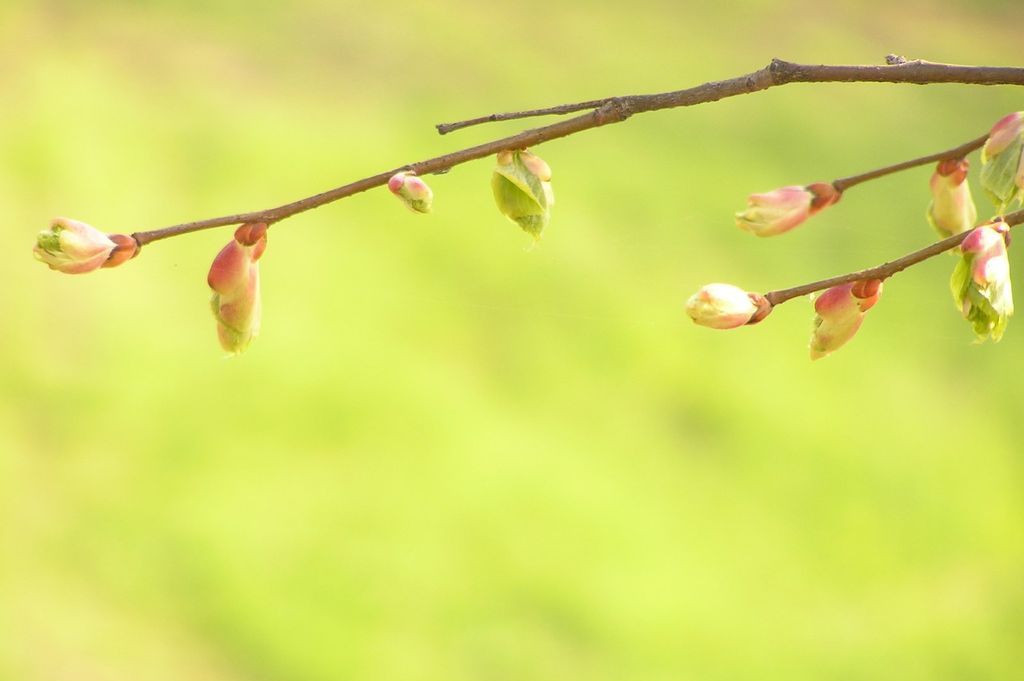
(885, 270)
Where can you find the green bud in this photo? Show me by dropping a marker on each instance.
(522, 190)
(1002, 173)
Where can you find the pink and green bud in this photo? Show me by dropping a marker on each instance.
(724, 306)
(1007, 129)
(981, 281)
(1002, 157)
(73, 247)
(522, 190)
(779, 211)
(413, 191)
(235, 280)
(839, 312)
(952, 209)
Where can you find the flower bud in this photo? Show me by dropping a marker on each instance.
(73, 247)
(413, 191)
(235, 280)
(781, 210)
(839, 314)
(522, 189)
(1002, 172)
(723, 306)
(952, 209)
(981, 281)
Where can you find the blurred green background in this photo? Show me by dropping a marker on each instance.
(450, 456)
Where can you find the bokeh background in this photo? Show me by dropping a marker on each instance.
(453, 456)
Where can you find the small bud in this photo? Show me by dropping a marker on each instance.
(781, 210)
(1002, 157)
(981, 281)
(952, 209)
(413, 191)
(839, 314)
(235, 280)
(724, 306)
(73, 247)
(522, 189)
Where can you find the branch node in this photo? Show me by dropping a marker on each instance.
(780, 70)
(895, 60)
(615, 110)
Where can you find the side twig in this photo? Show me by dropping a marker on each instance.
(885, 270)
(778, 72)
(956, 152)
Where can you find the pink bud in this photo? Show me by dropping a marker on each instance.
(981, 280)
(723, 306)
(840, 312)
(781, 210)
(73, 247)
(987, 244)
(413, 191)
(1003, 133)
(235, 280)
(952, 209)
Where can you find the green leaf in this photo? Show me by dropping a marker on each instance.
(998, 176)
(521, 196)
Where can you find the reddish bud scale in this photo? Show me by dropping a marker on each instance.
(126, 248)
(250, 233)
(764, 307)
(824, 196)
(867, 288)
(955, 168)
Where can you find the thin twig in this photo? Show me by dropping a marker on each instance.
(898, 70)
(956, 152)
(885, 270)
(616, 110)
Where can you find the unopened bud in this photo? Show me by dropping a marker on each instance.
(724, 306)
(1002, 172)
(781, 210)
(522, 190)
(235, 280)
(952, 209)
(73, 247)
(981, 281)
(839, 312)
(413, 191)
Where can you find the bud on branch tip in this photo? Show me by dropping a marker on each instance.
(781, 210)
(724, 306)
(74, 247)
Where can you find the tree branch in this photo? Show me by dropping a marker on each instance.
(956, 152)
(618, 109)
(778, 72)
(885, 270)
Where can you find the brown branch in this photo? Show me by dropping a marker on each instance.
(603, 116)
(779, 72)
(956, 152)
(885, 270)
(616, 110)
